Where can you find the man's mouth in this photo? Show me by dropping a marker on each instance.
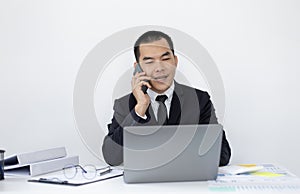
(160, 78)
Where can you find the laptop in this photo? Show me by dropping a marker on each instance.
(171, 153)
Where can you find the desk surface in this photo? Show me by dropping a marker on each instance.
(287, 183)
(116, 185)
(111, 186)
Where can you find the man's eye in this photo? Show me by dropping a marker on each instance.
(148, 62)
(165, 59)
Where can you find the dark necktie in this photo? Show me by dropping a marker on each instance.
(162, 115)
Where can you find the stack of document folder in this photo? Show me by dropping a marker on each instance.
(38, 162)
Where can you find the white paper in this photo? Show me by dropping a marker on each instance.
(264, 180)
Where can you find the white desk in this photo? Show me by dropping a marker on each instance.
(116, 185)
(286, 184)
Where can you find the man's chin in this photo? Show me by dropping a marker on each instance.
(160, 87)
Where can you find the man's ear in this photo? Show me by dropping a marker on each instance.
(134, 64)
(176, 60)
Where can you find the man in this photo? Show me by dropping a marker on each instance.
(166, 102)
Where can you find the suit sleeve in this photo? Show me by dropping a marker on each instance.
(112, 147)
(208, 116)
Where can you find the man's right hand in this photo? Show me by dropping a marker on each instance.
(143, 100)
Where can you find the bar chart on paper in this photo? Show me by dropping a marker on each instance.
(270, 179)
(255, 187)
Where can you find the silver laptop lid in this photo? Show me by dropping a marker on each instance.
(171, 153)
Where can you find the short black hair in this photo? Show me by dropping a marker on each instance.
(148, 37)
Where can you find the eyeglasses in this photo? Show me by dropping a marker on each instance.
(88, 171)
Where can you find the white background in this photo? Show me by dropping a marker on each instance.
(254, 43)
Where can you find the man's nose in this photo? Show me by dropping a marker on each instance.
(159, 66)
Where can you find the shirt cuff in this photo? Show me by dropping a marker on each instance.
(143, 117)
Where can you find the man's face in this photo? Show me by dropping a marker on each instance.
(158, 62)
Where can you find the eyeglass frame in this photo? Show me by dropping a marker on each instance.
(106, 170)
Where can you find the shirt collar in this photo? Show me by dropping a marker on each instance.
(168, 93)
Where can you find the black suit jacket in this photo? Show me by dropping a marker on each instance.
(188, 106)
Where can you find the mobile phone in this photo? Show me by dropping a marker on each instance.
(139, 69)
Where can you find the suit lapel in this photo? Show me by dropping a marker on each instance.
(176, 105)
(152, 116)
